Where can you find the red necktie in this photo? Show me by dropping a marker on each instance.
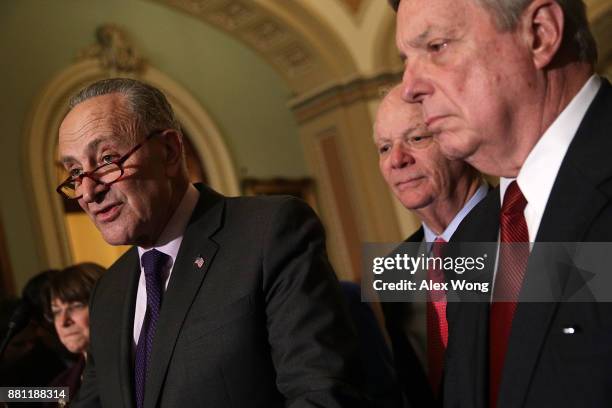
(513, 255)
(437, 327)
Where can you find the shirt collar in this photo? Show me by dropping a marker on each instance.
(480, 193)
(171, 238)
(539, 171)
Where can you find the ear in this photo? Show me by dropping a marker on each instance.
(173, 149)
(543, 23)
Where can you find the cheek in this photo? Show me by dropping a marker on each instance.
(142, 198)
(431, 169)
(84, 323)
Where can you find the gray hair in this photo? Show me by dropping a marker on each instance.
(149, 105)
(576, 34)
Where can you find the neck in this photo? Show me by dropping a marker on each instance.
(542, 100)
(179, 188)
(439, 214)
(559, 85)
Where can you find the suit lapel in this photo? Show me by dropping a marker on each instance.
(574, 203)
(187, 277)
(131, 269)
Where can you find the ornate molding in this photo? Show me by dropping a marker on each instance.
(320, 101)
(114, 50)
(273, 38)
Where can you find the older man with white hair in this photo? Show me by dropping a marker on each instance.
(509, 86)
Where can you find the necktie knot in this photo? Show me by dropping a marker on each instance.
(514, 200)
(438, 246)
(153, 263)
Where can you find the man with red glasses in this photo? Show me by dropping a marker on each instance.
(221, 301)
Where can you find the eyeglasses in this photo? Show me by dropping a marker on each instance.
(70, 310)
(105, 174)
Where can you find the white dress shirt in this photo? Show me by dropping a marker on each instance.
(169, 243)
(431, 236)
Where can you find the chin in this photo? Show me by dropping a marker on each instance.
(414, 204)
(452, 147)
(114, 238)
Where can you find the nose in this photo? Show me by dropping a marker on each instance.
(65, 318)
(91, 190)
(415, 86)
(400, 157)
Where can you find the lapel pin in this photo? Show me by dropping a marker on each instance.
(199, 262)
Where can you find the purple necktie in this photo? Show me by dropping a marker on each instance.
(153, 263)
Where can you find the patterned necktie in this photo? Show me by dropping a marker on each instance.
(513, 255)
(437, 327)
(153, 262)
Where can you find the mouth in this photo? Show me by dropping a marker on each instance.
(108, 213)
(409, 183)
(431, 121)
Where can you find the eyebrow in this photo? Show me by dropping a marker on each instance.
(416, 42)
(420, 39)
(411, 130)
(91, 146)
(405, 133)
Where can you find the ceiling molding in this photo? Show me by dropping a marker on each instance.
(318, 102)
(303, 51)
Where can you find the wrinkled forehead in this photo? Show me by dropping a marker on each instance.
(421, 20)
(397, 118)
(102, 118)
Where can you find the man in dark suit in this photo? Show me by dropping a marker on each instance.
(510, 88)
(440, 192)
(221, 301)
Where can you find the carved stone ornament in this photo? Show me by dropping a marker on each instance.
(114, 50)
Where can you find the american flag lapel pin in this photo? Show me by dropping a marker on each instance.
(199, 262)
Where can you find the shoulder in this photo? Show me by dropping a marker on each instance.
(117, 276)
(482, 222)
(266, 208)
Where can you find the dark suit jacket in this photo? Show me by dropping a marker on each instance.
(410, 371)
(261, 324)
(545, 367)
(381, 382)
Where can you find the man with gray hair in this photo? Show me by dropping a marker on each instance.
(509, 86)
(441, 193)
(221, 301)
